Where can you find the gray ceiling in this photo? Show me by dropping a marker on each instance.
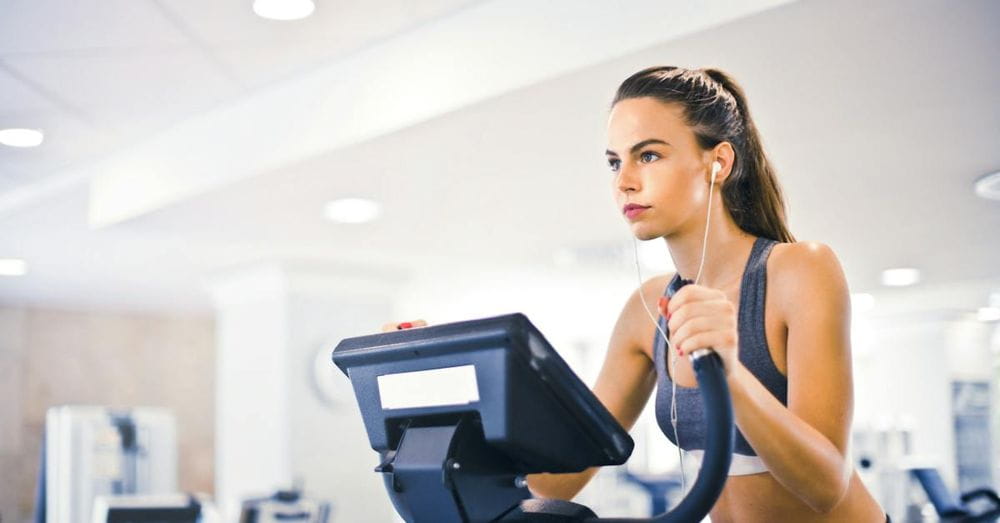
(878, 115)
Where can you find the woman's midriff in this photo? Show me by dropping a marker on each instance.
(760, 498)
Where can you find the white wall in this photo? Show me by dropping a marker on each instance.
(575, 309)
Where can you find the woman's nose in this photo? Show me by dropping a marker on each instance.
(627, 180)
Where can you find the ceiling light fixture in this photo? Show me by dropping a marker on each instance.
(21, 137)
(900, 277)
(988, 314)
(283, 9)
(351, 210)
(988, 186)
(13, 267)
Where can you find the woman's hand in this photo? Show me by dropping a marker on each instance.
(700, 317)
(389, 327)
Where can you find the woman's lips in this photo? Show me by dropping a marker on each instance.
(634, 211)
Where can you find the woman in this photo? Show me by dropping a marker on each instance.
(688, 167)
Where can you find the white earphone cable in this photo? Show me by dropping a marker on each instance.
(673, 367)
(708, 218)
(670, 347)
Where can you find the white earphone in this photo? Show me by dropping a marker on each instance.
(716, 167)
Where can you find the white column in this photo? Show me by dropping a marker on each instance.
(251, 429)
(277, 326)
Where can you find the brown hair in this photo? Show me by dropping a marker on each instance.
(716, 110)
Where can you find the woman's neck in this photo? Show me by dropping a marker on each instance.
(725, 257)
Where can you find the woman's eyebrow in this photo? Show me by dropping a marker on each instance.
(638, 146)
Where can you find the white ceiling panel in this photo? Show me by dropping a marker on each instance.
(127, 90)
(82, 26)
(98, 76)
(418, 75)
(230, 22)
(259, 51)
(68, 142)
(18, 100)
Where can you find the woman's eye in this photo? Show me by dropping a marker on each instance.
(649, 156)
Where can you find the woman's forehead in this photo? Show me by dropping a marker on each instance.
(636, 119)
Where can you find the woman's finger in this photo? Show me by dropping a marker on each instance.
(713, 308)
(692, 328)
(389, 327)
(705, 340)
(692, 294)
(662, 305)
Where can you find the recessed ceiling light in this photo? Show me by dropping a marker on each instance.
(988, 314)
(283, 9)
(989, 186)
(900, 277)
(13, 267)
(21, 137)
(351, 210)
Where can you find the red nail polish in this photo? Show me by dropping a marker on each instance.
(405, 325)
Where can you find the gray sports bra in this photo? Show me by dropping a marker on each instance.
(754, 355)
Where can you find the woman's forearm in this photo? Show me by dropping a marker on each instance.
(799, 457)
(559, 486)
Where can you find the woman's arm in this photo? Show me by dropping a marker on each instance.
(805, 445)
(623, 386)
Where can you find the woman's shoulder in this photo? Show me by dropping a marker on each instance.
(647, 293)
(794, 255)
(802, 258)
(633, 327)
(802, 271)
(654, 287)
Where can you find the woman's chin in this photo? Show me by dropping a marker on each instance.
(644, 234)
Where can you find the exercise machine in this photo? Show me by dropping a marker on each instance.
(460, 413)
(284, 505)
(91, 451)
(962, 509)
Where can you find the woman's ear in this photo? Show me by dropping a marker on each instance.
(725, 156)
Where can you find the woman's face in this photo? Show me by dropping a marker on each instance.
(656, 163)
